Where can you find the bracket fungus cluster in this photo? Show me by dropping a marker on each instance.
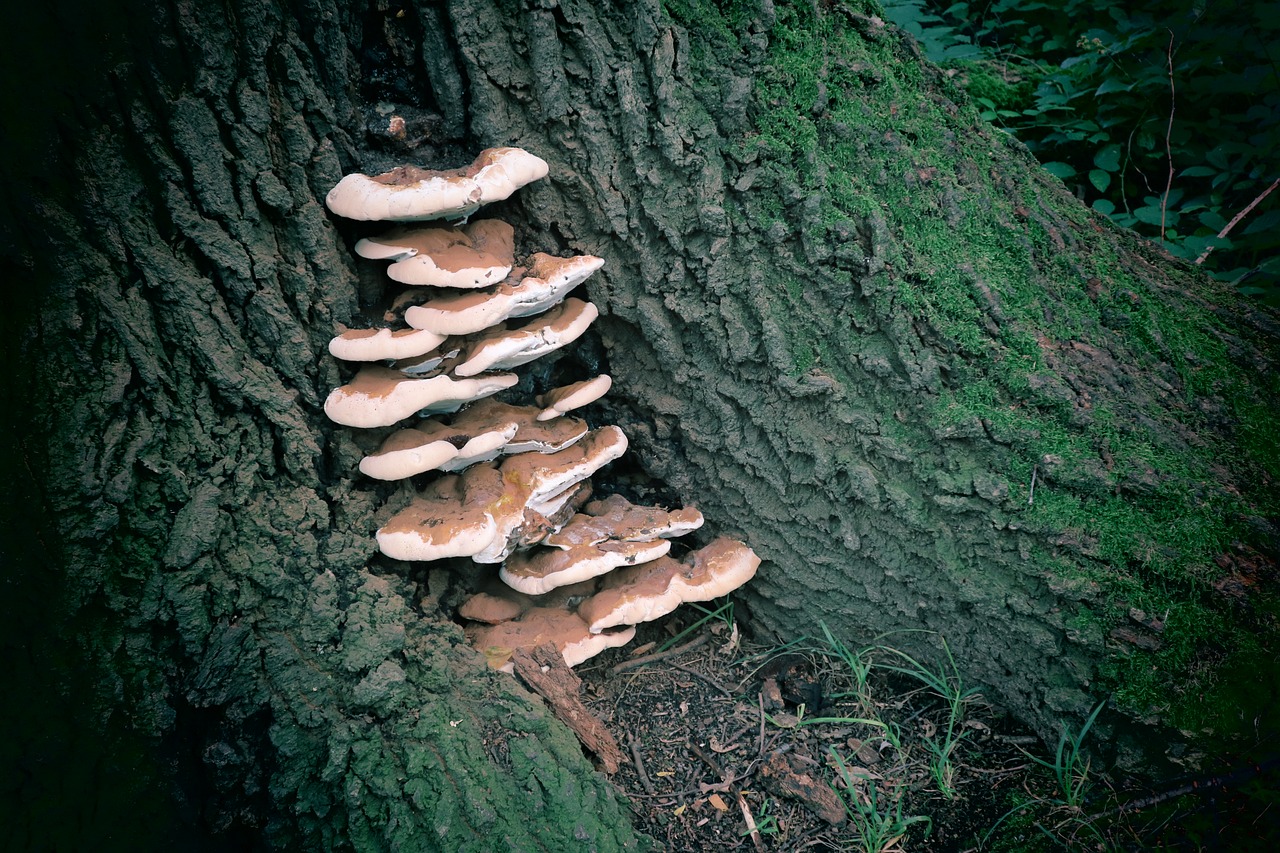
(509, 483)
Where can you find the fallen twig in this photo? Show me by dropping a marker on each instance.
(638, 764)
(751, 823)
(705, 678)
(1236, 219)
(679, 650)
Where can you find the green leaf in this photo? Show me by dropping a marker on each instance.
(1108, 159)
(1104, 206)
(1265, 222)
(1100, 179)
(1213, 220)
(1149, 215)
(1111, 84)
(1061, 170)
(1197, 172)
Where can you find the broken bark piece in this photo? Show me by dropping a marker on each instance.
(786, 776)
(544, 671)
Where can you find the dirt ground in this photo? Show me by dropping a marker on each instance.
(817, 747)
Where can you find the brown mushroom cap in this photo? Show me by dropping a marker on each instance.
(479, 254)
(548, 475)
(541, 625)
(519, 502)
(502, 349)
(498, 602)
(528, 291)
(616, 518)
(453, 517)
(383, 344)
(544, 569)
(555, 403)
(550, 488)
(490, 609)
(652, 590)
(409, 194)
(431, 445)
(531, 434)
(379, 396)
(405, 453)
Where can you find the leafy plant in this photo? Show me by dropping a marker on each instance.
(1163, 114)
(857, 665)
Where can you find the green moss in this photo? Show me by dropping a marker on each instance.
(1123, 503)
(997, 82)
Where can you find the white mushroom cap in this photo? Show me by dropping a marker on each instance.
(550, 487)
(555, 403)
(453, 517)
(502, 349)
(383, 344)
(617, 519)
(548, 475)
(431, 445)
(379, 396)
(405, 453)
(542, 285)
(480, 254)
(487, 443)
(544, 569)
(530, 435)
(649, 591)
(543, 625)
(410, 194)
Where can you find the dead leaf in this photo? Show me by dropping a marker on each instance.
(785, 721)
(718, 802)
(665, 773)
(680, 809)
(716, 746)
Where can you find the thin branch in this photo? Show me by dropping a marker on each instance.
(679, 650)
(1168, 150)
(1236, 219)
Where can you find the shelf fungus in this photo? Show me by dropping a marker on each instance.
(530, 290)
(653, 590)
(380, 396)
(504, 483)
(383, 344)
(411, 194)
(434, 446)
(563, 628)
(501, 348)
(555, 403)
(480, 254)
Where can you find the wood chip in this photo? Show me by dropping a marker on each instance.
(789, 778)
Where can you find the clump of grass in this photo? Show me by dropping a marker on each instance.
(877, 819)
(1065, 822)
(946, 683)
(723, 614)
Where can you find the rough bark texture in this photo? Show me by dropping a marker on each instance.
(848, 322)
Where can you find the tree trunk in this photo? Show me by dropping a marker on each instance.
(856, 327)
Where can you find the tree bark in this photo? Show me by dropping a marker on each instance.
(853, 325)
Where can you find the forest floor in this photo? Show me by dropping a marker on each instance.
(818, 747)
